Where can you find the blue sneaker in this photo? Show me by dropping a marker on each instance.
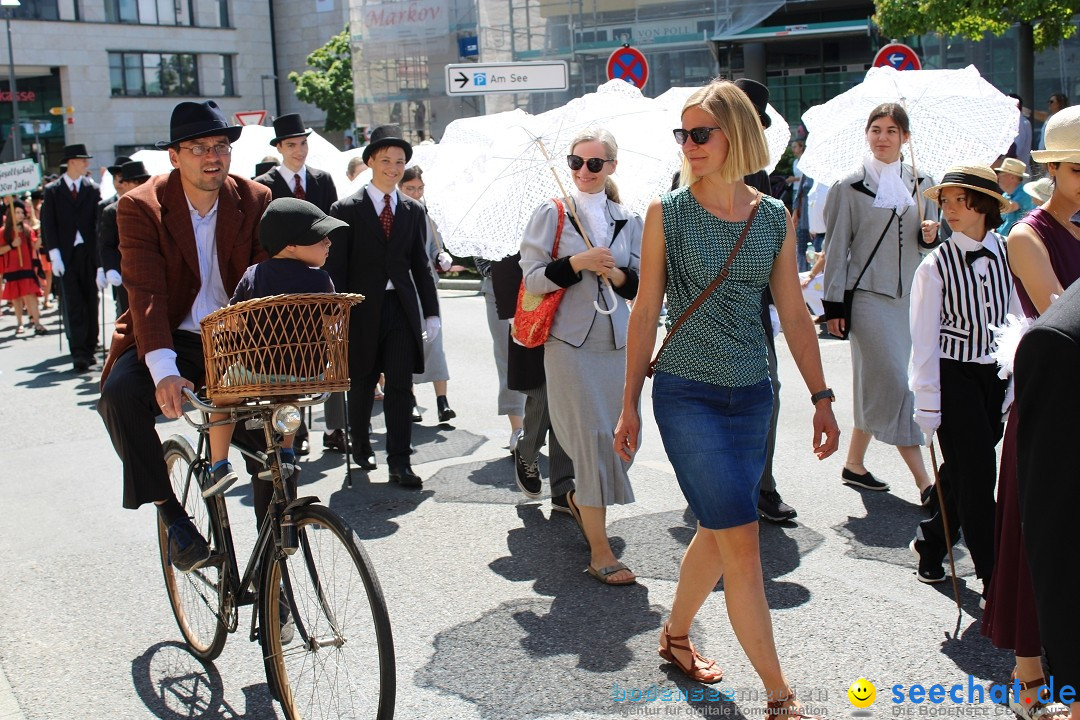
(220, 480)
(187, 548)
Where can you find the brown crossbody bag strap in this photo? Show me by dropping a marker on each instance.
(708, 291)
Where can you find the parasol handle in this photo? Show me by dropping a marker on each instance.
(584, 235)
(918, 195)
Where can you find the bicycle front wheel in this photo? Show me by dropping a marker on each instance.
(325, 629)
(196, 596)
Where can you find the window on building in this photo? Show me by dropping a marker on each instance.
(133, 74)
(36, 10)
(216, 75)
(148, 12)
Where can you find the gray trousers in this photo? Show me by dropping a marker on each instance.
(537, 427)
(511, 402)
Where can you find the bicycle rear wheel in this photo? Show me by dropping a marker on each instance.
(340, 661)
(196, 597)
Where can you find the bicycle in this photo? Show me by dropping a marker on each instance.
(318, 611)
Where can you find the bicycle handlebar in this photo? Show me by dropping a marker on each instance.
(245, 410)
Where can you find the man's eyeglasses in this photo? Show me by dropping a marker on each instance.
(700, 135)
(221, 150)
(595, 165)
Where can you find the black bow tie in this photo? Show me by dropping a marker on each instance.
(972, 255)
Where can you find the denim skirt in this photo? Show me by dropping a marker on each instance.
(715, 438)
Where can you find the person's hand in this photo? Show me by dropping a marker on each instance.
(805, 282)
(100, 279)
(168, 396)
(929, 231)
(57, 262)
(444, 260)
(432, 326)
(837, 327)
(825, 424)
(928, 421)
(113, 276)
(16, 241)
(1010, 396)
(598, 260)
(626, 434)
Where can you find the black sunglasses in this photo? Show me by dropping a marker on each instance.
(700, 135)
(595, 165)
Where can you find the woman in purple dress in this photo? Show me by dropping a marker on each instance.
(1044, 255)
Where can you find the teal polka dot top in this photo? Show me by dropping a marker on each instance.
(723, 342)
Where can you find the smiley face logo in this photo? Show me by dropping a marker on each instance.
(862, 693)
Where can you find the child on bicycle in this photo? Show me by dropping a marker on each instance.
(296, 235)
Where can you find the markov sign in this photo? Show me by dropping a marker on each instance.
(19, 176)
(392, 22)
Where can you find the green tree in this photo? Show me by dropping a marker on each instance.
(1049, 20)
(330, 86)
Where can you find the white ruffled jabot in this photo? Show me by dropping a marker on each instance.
(592, 211)
(892, 191)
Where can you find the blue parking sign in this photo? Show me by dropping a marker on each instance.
(479, 79)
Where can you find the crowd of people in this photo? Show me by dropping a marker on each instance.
(919, 273)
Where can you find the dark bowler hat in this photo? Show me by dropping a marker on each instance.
(759, 98)
(192, 120)
(114, 169)
(386, 136)
(264, 167)
(76, 151)
(133, 171)
(288, 126)
(289, 221)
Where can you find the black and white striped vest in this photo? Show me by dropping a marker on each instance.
(970, 304)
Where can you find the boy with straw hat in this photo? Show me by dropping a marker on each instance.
(960, 291)
(1010, 174)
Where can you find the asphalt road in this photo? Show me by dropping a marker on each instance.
(492, 615)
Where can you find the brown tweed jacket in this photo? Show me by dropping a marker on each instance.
(159, 260)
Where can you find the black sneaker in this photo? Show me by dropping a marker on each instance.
(866, 480)
(930, 571)
(445, 413)
(334, 440)
(927, 496)
(527, 475)
(187, 548)
(560, 504)
(771, 507)
(220, 480)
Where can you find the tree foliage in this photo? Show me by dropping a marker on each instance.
(1051, 19)
(329, 86)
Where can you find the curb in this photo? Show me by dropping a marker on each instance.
(9, 707)
(459, 284)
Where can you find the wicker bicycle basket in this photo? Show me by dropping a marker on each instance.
(279, 345)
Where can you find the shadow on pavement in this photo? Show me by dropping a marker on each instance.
(175, 685)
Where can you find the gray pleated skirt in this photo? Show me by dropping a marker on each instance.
(434, 363)
(880, 352)
(584, 387)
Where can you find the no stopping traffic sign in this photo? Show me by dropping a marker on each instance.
(628, 64)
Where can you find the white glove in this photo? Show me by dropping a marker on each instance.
(100, 279)
(113, 276)
(1010, 396)
(432, 326)
(57, 262)
(928, 422)
(444, 260)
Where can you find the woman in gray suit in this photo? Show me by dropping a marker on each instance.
(873, 246)
(585, 355)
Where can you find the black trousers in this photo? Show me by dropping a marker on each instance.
(80, 303)
(395, 353)
(971, 427)
(129, 409)
(537, 425)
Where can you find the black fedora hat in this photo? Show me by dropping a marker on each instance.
(264, 167)
(759, 98)
(288, 126)
(387, 136)
(291, 221)
(132, 171)
(114, 169)
(76, 151)
(192, 120)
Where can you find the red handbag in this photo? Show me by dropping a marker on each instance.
(535, 311)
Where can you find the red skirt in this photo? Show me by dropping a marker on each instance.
(20, 288)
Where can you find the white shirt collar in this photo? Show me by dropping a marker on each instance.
(376, 196)
(75, 184)
(195, 216)
(968, 244)
(288, 175)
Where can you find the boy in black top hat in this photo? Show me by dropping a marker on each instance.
(296, 235)
(293, 178)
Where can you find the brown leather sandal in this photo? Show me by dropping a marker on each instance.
(776, 708)
(1040, 707)
(702, 669)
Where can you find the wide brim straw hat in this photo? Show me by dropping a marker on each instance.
(1040, 189)
(1062, 138)
(980, 178)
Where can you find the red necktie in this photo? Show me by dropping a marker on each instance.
(386, 217)
(298, 189)
(74, 193)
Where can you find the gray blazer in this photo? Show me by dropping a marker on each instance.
(576, 313)
(853, 228)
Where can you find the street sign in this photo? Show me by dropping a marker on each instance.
(19, 176)
(628, 64)
(491, 78)
(898, 56)
(251, 117)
